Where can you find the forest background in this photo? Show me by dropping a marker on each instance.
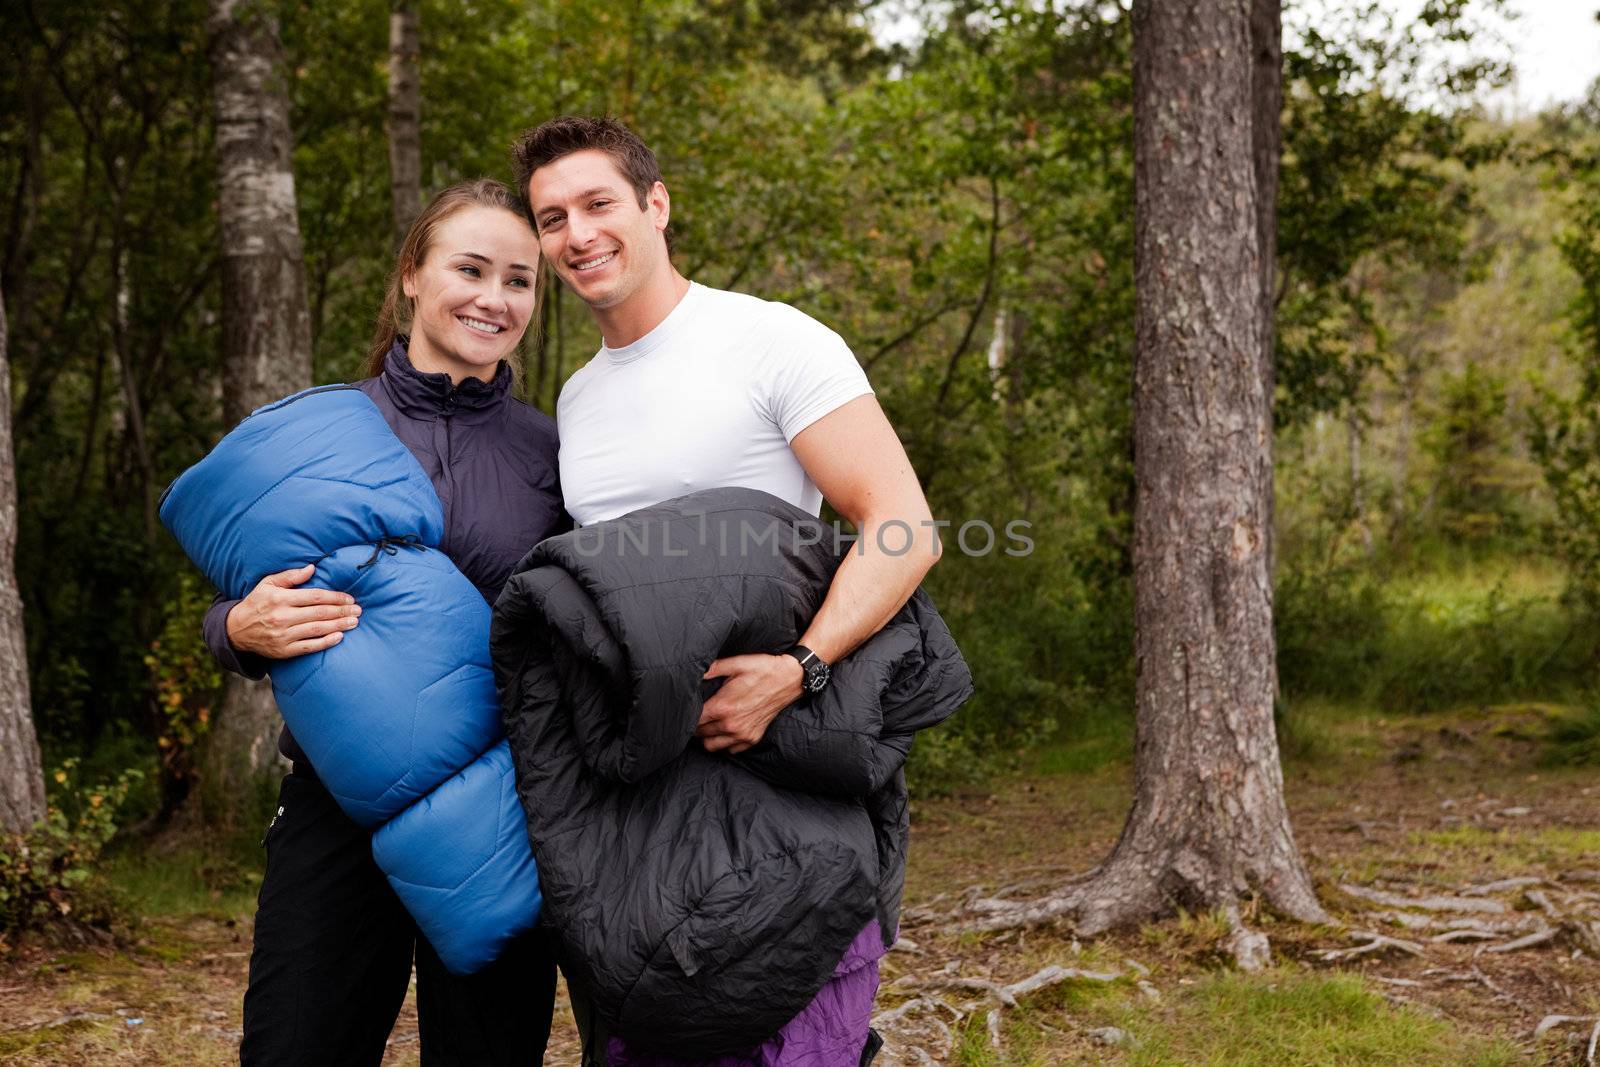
(958, 205)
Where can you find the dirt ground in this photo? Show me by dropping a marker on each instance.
(1389, 812)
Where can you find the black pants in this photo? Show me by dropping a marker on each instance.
(332, 960)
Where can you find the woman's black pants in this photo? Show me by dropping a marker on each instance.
(332, 960)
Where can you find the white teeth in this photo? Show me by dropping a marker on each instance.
(480, 325)
(591, 264)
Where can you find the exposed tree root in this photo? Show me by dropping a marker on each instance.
(921, 1011)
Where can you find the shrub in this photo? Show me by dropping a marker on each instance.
(46, 873)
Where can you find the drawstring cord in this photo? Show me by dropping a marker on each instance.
(391, 546)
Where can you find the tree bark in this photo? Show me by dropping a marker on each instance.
(266, 324)
(405, 115)
(22, 800)
(1266, 135)
(1209, 824)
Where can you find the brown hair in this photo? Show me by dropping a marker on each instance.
(563, 136)
(394, 318)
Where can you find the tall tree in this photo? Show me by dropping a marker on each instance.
(21, 780)
(405, 115)
(1208, 823)
(1266, 135)
(266, 320)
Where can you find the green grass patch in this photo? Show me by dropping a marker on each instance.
(1091, 738)
(212, 882)
(1574, 738)
(1288, 1019)
(1551, 846)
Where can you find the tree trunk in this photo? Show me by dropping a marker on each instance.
(21, 780)
(1209, 824)
(405, 115)
(266, 324)
(1266, 134)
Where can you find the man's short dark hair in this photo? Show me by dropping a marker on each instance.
(560, 137)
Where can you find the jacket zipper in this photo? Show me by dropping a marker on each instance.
(448, 465)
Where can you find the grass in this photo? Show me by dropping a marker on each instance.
(1575, 737)
(1286, 1018)
(187, 882)
(1552, 848)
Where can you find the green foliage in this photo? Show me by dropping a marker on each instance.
(1429, 640)
(45, 874)
(1371, 176)
(1482, 498)
(1567, 428)
(187, 684)
(961, 211)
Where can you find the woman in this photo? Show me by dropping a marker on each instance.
(333, 948)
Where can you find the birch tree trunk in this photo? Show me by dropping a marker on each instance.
(266, 324)
(21, 779)
(405, 115)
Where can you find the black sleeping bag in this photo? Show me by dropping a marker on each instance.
(704, 900)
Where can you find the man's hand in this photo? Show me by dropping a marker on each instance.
(757, 688)
(279, 621)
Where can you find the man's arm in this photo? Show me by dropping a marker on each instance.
(862, 469)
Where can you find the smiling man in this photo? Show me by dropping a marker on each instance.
(697, 388)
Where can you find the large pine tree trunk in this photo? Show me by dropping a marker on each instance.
(1209, 824)
(405, 115)
(1266, 131)
(266, 324)
(21, 780)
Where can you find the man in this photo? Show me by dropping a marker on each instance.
(696, 388)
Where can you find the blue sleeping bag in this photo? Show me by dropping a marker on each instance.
(400, 718)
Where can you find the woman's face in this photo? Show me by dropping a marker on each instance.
(473, 293)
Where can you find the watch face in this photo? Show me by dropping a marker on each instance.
(817, 677)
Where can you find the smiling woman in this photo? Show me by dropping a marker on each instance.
(334, 946)
(464, 286)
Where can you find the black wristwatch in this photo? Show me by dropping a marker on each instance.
(815, 673)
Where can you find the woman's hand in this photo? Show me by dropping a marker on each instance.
(279, 621)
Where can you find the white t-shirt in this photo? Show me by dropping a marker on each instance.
(709, 398)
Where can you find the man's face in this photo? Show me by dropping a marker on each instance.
(597, 238)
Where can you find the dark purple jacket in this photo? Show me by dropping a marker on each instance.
(492, 460)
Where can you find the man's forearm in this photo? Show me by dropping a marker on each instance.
(874, 582)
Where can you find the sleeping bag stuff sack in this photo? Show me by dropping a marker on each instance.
(400, 718)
